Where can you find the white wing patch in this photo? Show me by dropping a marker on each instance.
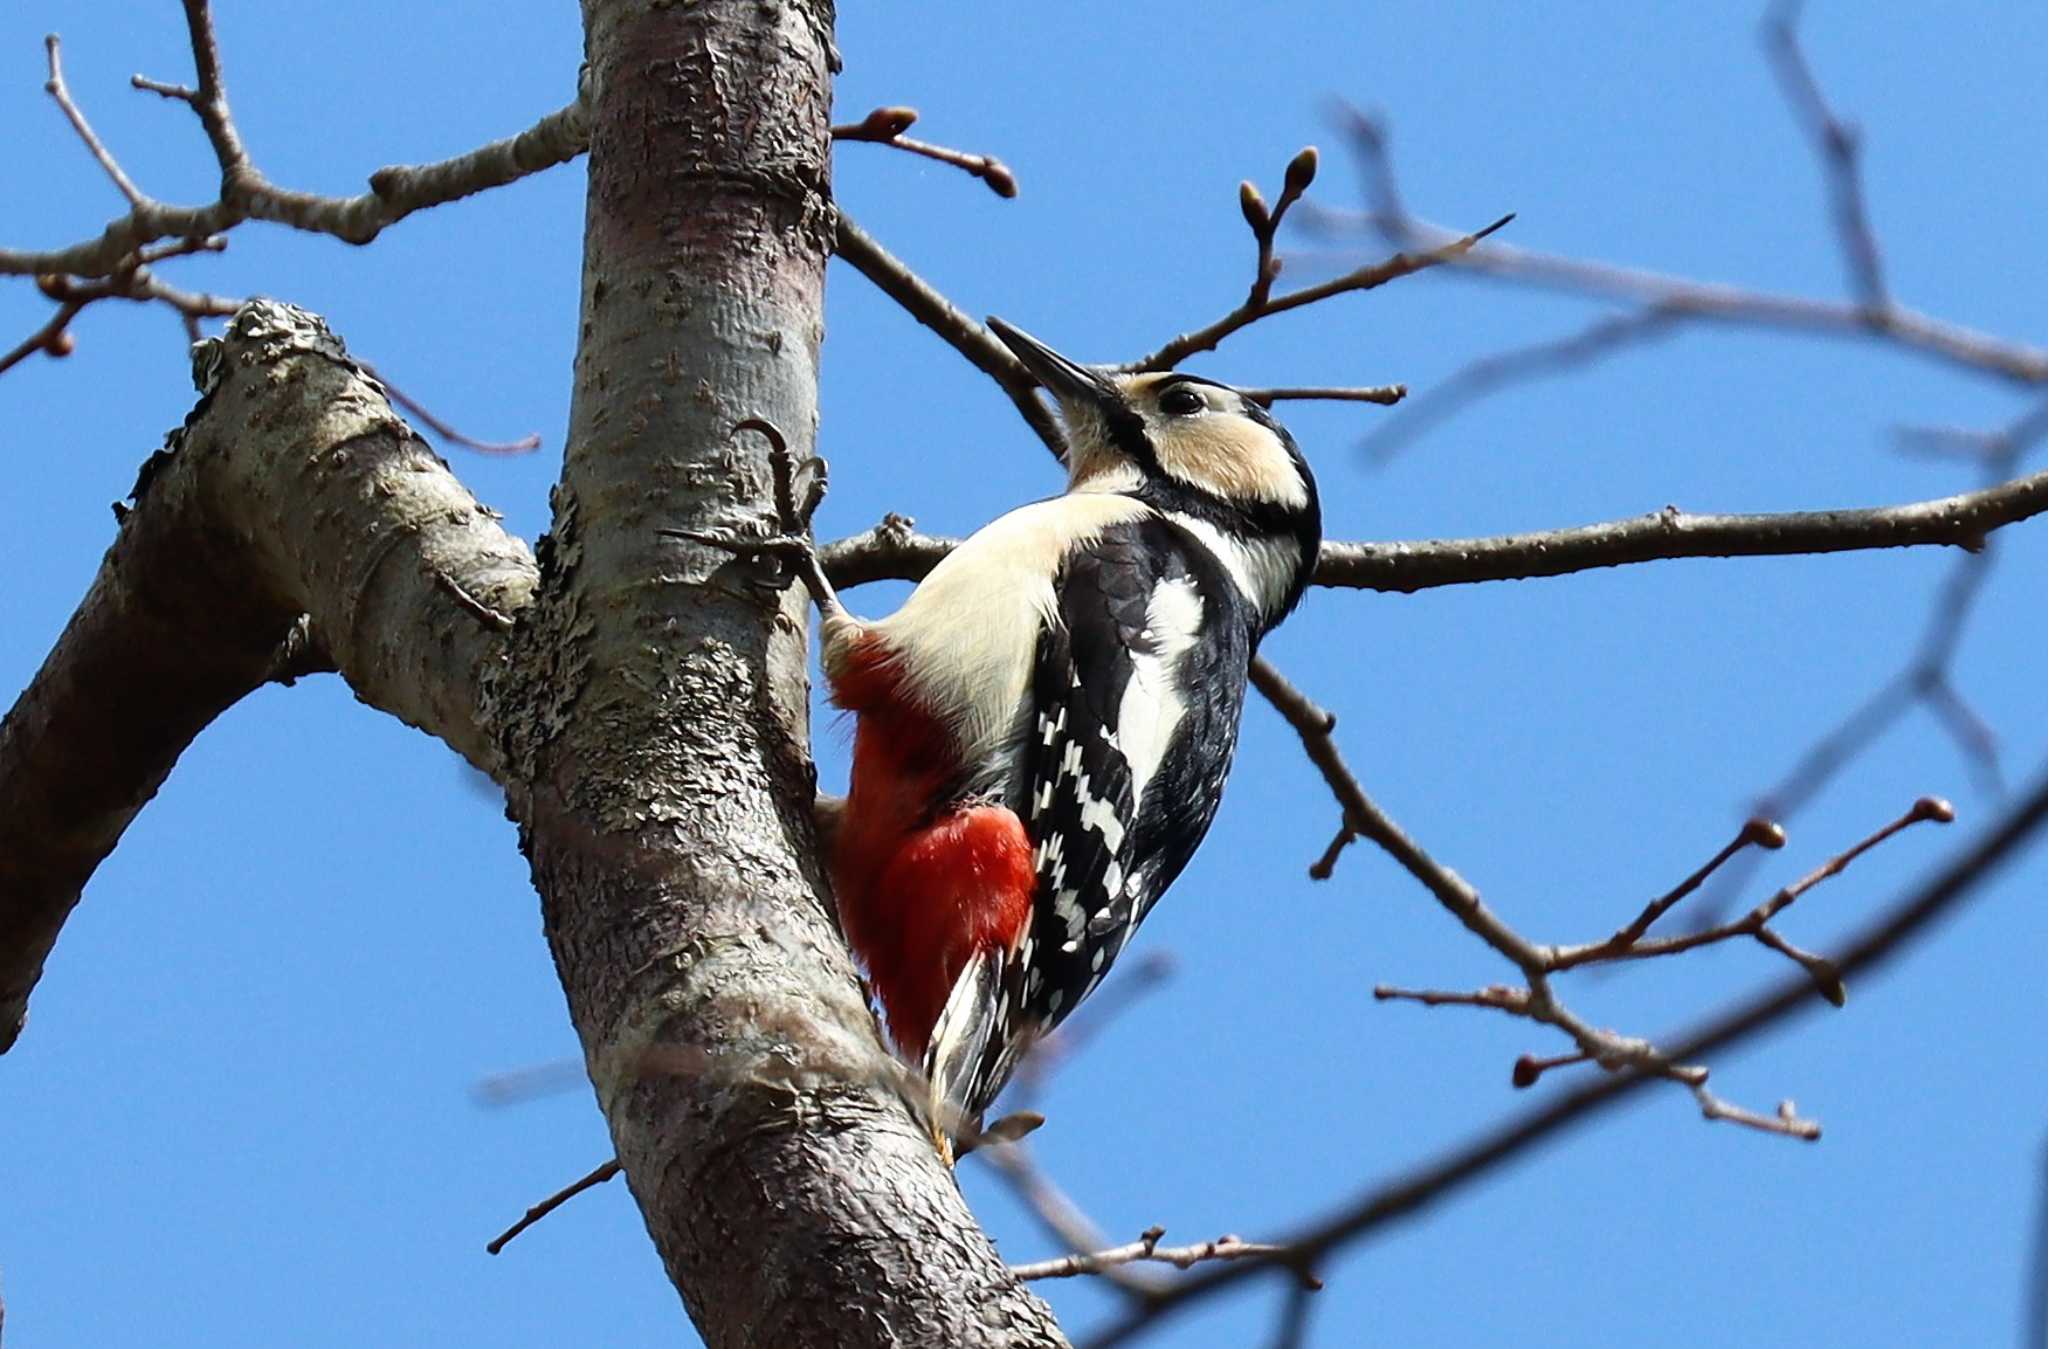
(1153, 707)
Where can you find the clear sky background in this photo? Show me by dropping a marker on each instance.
(242, 1114)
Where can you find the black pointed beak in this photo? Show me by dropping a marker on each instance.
(1063, 378)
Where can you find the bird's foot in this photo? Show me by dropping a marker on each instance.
(788, 553)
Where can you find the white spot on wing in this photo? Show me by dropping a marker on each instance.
(1152, 706)
(1099, 814)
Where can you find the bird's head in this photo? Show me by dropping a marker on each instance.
(1188, 445)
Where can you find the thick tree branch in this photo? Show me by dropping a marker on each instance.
(292, 490)
(656, 706)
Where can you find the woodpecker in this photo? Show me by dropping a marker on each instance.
(1043, 729)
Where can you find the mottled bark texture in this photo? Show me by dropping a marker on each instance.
(643, 702)
(655, 720)
(292, 489)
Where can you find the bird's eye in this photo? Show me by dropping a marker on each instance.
(1181, 401)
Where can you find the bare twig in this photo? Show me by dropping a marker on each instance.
(1061, 1217)
(53, 338)
(1265, 221)
(1386, 395)
(1961, 878)
(1536, 1001)
(554, 1201)
(1629, 942)
(1145, 1248)
(1838, 146)
(959, 331)
(524, 445)
(1292, 1331)
(1785, 1120)
(246, 194)
(885, 126)
(1679, 297)
(56, 88)
(1483, 376)
(1756, 832)
(1405, 263)
(136, 282)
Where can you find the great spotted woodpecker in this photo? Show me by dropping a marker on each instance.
(1044, 728)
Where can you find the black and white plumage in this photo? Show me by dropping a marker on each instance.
(1054, 711)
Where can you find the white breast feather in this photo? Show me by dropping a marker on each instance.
(1152, 707)
(968, 634)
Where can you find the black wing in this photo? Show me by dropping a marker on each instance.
(1115, 809)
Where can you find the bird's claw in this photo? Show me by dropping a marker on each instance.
(789, 548)
(784, 555)
(793, 510)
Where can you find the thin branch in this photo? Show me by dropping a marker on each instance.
(952, 324)
(554, 1201)
(1294, 1317)
(1629, 942)
(1145, 1248)
(1838, 146)
(395, 192)
(1386, 395)
(56, 88)
(1923, 680)
(1487, 374)
(893, 550)
(1061, 1217)
(1680, 297)
(1265, 222)
(1536, 1001)
(524, 445)
(1402, 264)
(885, 126)
(1363, 817)
(1785, 1121)
(53, 338)
(1960, 521)
(209, 98)
(1756, 832)
(1380, 1206)
(136, 283)
(896, 550)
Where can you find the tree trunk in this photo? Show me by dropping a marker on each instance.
(657, 723)
(643, 705)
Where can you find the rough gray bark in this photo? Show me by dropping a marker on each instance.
(656, 724)
(643, 705)
(292, 489)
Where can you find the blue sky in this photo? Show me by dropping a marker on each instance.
(241, 1114)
